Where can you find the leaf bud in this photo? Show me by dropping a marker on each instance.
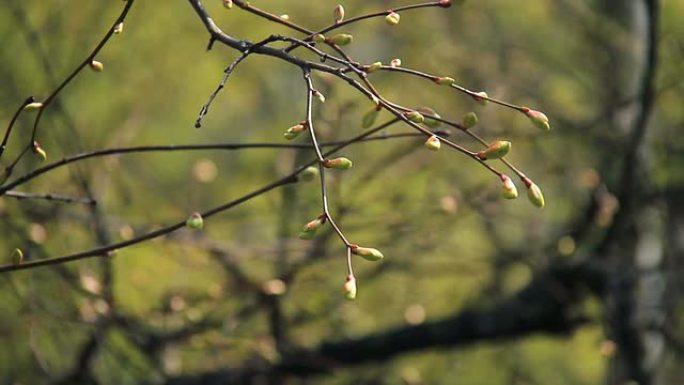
(508, 190)
(367, 253)
(37, 149)
(369, 117)
(228, 4)
(309, 229)
(445, 3)
(538, 118)
(319, 96)
(33, 106)
(309, 173)
(338, 13)
(433, 143)
(96, 66)
(374, 67)
(118, 28)
(445, 81)
(392, 18)
(414, 116)
(470, 120)
(195, 221)
(534, 193)
(318, 38)
(396, 62)
(295, 130)
(481, 97)
(17, 257)
(350, 287)
(430, 117)
(496, 150)
(285, 16)
(341, 39)
(340, 163)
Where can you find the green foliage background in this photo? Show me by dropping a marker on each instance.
(450, 241)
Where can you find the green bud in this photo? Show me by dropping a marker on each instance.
(374, 67)
(414, 116)
(367, 253)
(338, 13)
(96, 66)
(285, 16)
(428, 115)
(319, 96)
(33, 106)
(392, 18)
(433, 143)
(17, 257)
(481, 97)
(508, 191)
(340, 163)
(39, 151)
(295, 130)
(538, 118)
(318, 38)
(309, 173)
(496, 150)
(370, 117)
(534, 193)
(445, 81)
(309, 229)
(228, 4)
(470, 120)
(350, 287)
(195, 221)
(342, 39)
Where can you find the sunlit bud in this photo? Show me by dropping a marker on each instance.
(318, 38)
(342, 39)
(414, 116)
(508, 190)
(319, 96)
(430, 117)
(39, 151)
(392, 18)
(309, 173)
(295, 130)
(118, 28)
(309, 229)
(350, 287)
(340, 163)
(17, 257)
(433, 143)
(338, 13)
(285, 16)
(395, 62)
(228, 4)
(534, 193)
(96, 66)
(367, 253)
(481, 97)
(33, 106)
(195, 221)
(445, 81)
(445, 3)
(369, 117)
(374, 67)
(538, 118)
(470, 120)
(496, 150)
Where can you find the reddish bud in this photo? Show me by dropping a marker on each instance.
(340, 163)
(481, 97)
(338, 13)
(396, 62)
(496, 150)
(508, 191)
(445, 81)
(39, 151)
(534, 193)
(538, 118)
(414, 116)
(445, 3)
(309, 229)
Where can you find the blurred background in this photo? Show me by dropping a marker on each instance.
(473, 290)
